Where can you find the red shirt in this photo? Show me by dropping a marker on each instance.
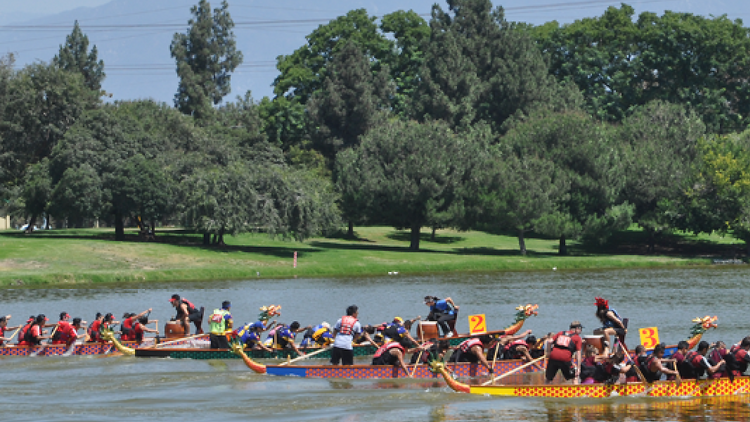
(137, 331)
(67, 333)
(564, 354)
(2, 333)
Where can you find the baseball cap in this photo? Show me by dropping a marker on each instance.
(575, 324)
(398, 319)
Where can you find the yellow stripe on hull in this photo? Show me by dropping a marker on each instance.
(688, 388)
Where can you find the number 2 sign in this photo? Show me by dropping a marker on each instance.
(649, 337)
(477, 324)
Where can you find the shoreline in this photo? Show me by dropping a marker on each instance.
(88, 258)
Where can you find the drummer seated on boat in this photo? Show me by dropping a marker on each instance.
(186, 313)
(563, 346)
(697, 364)
(392, 353)
(472, 350)
(4, 328)
(283, 337)
(652, 367)
(612, 324)
(249, 336)
(129, 320)
(320, 334)
(442, 311)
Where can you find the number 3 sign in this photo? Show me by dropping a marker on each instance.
(477, 324)
(649, 337)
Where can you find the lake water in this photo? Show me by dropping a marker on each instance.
(124, 388)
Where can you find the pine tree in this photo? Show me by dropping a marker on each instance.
(74, 57)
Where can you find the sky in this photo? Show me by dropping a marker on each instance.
(137, 60)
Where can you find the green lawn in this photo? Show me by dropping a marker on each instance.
(66, 257)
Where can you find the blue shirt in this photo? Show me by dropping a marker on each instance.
(442, 306)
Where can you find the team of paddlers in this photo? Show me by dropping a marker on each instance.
(565, 351)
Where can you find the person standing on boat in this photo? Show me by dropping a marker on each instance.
(564, 345)
(610, 319)
(472, 350)
(653, 368)
(442, 311)
(220, 321)
(187, 313)
(391, 354)
(345, 331)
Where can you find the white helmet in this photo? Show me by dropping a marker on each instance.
(326, 325)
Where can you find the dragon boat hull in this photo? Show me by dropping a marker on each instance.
(83, 349)
(688, 388)
(461, 370)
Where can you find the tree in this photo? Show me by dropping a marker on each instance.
(660, 141)
(36, 192)
(206, 56)
(75, 57)
(302, 72)
(478, 67)
(409, 174)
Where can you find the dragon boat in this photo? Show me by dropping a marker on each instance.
(686, 388)
(420, 371)
(82, 349)
(523, 312)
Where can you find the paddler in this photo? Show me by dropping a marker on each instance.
(431, 349)
(698, 363)
(129, 320)
(608, 372)
(4, 328)
(345, 331)
(740, 357)
(679, 360)
(67, 333)
(186, 313)
(391, 354)
(653, 368)
(610, 319)
(472, 350)
(563, 346)
(397, 332)
(62, 324)
(249, 336)
(220, 321)
(442, 311)
(34, 334)
(282, 337)
(140, 328)
(320, 334)
(93, 330)
(509, 347)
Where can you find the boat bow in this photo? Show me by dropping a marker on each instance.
(255, 366)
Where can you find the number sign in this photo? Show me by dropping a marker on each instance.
(649, 337)
(477, 324)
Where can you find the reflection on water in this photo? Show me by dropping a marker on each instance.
(97, 388)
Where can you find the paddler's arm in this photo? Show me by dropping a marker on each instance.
(270, 326)
(713, 369)
(294, 346)
(400, 357)
(578, 365)
(451, 302)
(668, 371)
(479, 352)
(143, 313)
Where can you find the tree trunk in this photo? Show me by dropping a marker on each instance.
(432, 236)
(563, 246)
(350, 232)
(206, 239)
(522, 242)
(213, 241)
(32, 222)
(415, 231)
(119, 227)
(651, 241)
(46, 226)
(221, 237)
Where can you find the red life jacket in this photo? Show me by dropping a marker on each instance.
(22, 334)
(347, 325)
(510, 348)
(565, 341)
(137, 333)
(30, 338)
(190, 307)
(388, 347)
(127, 330)
(468, 344)
(739, 359)
(93, 331)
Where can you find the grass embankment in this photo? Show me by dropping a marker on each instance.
(70, 257)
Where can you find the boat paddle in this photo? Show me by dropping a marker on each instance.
(14, 333)
(157, 346)
(421, 350)
(43, 346)
(494, 358)
(635, 363)
(303, 357)
(492, 381)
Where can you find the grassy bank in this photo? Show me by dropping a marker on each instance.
(69, 257)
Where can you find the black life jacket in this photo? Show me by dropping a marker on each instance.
(651, 376)
(693, 360)
(740, 364)
(392, 332)
(29, 338)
